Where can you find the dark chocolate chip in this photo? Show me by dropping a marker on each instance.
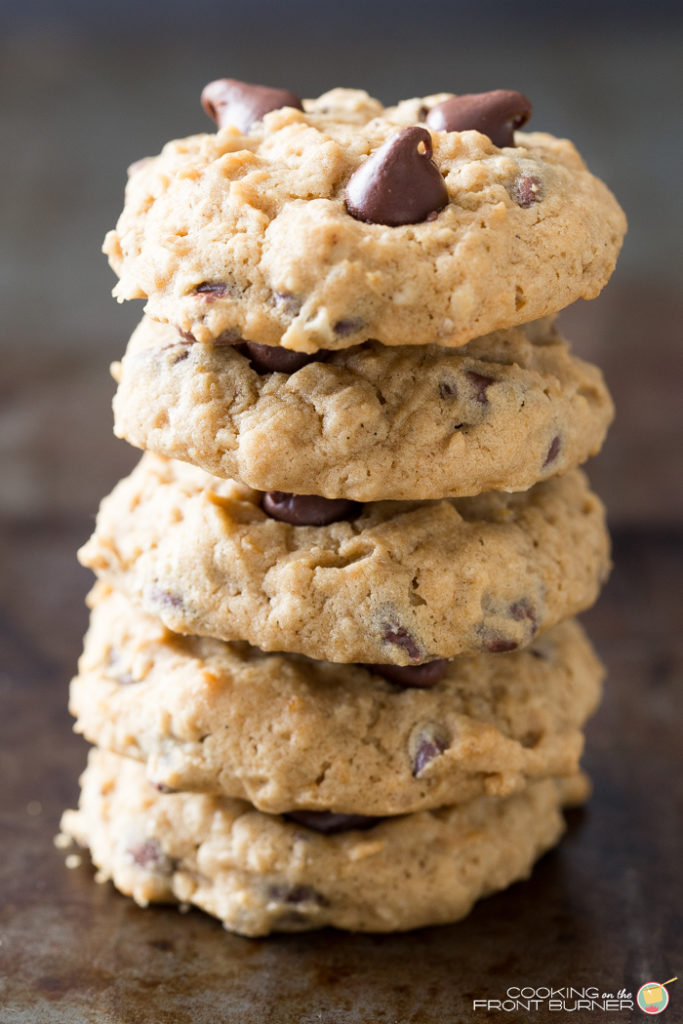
(308, 509)
(422, 677)
(288, 303)
(148, 854)
(521, 610)
(295, 894)
(161, 787)
(211, 290)
(496, 114)
(398, 183)
(350, 325)
(229, 101)
(274, 359)
(480, 382)
(448, 389)
(400, 636)
(553, 451)
(122, 677)
(329, 822)
(157, 595)
(527, 189)
(430, 744)
(496, 643)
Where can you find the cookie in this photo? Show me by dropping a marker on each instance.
(321, 227)
(399, 582)
(288, 733)
(260, 873)
(374, 422)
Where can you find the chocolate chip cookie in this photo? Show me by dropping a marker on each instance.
(400, 582)
(369, 422)
(288, 733)
(260, 873)
(318, 224)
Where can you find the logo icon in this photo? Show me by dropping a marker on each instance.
(653, 996)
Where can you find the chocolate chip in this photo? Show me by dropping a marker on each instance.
(348, 326)
(496, 643)
(479, 383)
(148, 854)
(521, 610)
(274, 359)
(553, 451)
(400, 636)
(161, 787)
(119, 675)
(526, 190)
(288, 303)
(211, 290)
(429, 743)
(496, 114)
(229, 101)
(328, 822)
(398, 183)
(422, 677)
(295, 894)
(308, 509)
(448, 389)
(157, 595)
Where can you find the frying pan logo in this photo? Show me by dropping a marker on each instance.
(653, 996)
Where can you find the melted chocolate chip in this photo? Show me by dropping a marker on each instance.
(165, 598)
(496, 643)
(521, 610)
(161, 787)
(148, 854)
(430, 744)
(274, 359)
(400, 636)
(422, 677)
(398, 184)
(527, 189)
(288, 303)
(295, 894)
(348, 326)
(448, 389)
(479, 383)
(553, 451)
(308, 509)
(211, 290)
(229, 101)
(496, 114)
(328, 822)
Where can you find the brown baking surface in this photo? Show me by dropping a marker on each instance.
(601, 910)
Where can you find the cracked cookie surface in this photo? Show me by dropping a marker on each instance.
(250, 233)
(260, 873)
(402, 582)
(374, 422)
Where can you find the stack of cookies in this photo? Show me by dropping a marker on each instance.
(332, 674)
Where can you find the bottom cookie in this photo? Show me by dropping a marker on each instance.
(260, 873)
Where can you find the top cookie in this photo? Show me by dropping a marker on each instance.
(273, 233)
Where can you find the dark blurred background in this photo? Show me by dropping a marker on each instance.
(90, 87)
